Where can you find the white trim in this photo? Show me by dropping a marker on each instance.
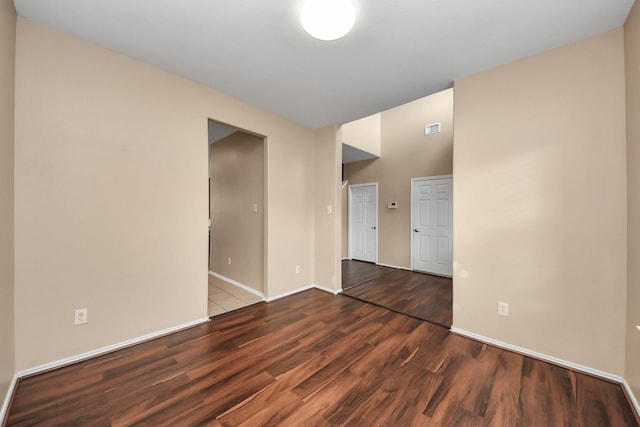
(393, 266)
(408, 269)
(329, 290)
(100, 351)
(5, 406)
(632, 397)
(560, 362)
(350, 219)
(302, 289)
(346, 259)
(541, 356)
(238, 284)
(289, 293)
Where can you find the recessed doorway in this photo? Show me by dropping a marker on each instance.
(236, 218)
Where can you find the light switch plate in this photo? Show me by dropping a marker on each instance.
(503, 309)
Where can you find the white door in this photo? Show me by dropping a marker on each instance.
(432, 225)
(363, 222)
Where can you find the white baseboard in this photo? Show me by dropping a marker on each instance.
(7, 399)
(302, 289)
(554, 360)
(632, 397)
(393, 266)
(88, 355)
(238, 284)
(289, 293)
(100, 351)
(541, 356)
(329, 290)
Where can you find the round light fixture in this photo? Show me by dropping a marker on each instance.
(327, 19)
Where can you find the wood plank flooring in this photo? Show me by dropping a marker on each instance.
(420, 295)
(315, 359)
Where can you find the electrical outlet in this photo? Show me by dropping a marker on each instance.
(80, 316)
(229, 260)
(298, 269)
(503, 309)
(638, 327)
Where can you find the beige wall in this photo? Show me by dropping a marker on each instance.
(7, 68)
(328, 155)
(364, 134)
(237, 184)
(111, 176)
(540, 203)
(632, 62)
(406, 154)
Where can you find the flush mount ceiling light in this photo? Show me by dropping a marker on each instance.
(327, 19)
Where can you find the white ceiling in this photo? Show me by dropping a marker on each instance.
(398, 50)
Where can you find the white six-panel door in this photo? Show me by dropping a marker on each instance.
(363, 222)
(432, 225)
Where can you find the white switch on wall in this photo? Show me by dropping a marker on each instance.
(329, 209)
(255, 208)
(503, 309)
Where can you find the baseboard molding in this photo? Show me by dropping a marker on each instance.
(554, 360)
(329, 290)
(108, 349)
(631, 397)
(393, 266)
(302, 289)
(540, 356)
(409, 269)
(7, 400)
(238, 284)
(88, 355)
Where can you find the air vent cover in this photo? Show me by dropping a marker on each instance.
(432, 128)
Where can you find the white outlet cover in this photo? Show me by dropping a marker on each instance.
(80, 316)
(503, 309)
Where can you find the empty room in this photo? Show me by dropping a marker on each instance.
(106, 203)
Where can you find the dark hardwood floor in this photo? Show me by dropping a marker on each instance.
(420, 295)
(315, 359)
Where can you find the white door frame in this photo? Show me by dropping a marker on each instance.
(350, 223)
(426, 178)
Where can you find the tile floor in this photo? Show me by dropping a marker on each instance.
(224, 297)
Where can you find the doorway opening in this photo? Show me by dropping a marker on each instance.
(237, 205)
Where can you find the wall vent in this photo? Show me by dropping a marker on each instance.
(432, 128)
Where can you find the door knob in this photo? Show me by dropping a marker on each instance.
(416, 230)
(373, 228)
